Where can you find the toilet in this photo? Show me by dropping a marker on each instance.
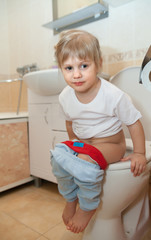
(124, 210)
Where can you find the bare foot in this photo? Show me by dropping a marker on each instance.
(80, 220)
(69, 211)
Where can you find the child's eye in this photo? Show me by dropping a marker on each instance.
(69, 68)
(84, 65)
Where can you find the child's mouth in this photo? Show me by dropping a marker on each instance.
(78, 83)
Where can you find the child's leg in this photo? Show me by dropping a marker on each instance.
(88, 195)
(80, 220)
(69, 211)
(72, 167)
(112, 153)
(67, 188)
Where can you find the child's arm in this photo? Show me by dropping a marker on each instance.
(70, 131)
(138, 159)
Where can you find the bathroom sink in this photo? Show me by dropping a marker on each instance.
(45, 82)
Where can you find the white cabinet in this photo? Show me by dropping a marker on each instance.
(46, 128)
(57, 121)
(58, 136)
(40, 141)
(58, 133)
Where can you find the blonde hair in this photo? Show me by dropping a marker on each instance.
(80, 44)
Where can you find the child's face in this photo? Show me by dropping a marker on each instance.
(79, 74)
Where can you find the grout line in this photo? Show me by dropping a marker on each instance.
(53, 227)
(42, 236)
(21, 223)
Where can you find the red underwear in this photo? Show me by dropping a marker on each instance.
(94, 153)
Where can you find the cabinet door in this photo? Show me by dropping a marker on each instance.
(40, 141)
(57, 119)
(58, 136)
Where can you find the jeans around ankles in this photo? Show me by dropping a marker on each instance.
(76, 177)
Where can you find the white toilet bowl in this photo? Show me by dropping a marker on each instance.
(124, 210)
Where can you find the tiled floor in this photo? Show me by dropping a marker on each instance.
(30, 213)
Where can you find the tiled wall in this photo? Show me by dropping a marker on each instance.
(116, 62)
(111, 65)
(124, 38)
(9, 95)
(23, 41)
(9, 92)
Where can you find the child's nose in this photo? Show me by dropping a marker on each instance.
(77, 73)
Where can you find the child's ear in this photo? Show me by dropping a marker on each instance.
(100, 65)
(101, 61)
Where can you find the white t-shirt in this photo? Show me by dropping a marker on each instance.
(103, 116)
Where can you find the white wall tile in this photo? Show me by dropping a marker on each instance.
(25, 41)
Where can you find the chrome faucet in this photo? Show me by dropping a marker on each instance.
(22, 71)
(27, 68)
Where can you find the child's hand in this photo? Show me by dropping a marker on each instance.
(138, 163)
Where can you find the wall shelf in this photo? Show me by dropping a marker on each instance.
(80, 17)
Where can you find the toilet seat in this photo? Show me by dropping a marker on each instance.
(127, 165)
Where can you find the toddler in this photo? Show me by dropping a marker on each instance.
(94, 110)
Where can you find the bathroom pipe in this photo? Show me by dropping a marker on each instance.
(19, 97)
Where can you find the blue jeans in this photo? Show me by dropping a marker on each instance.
(76, 177)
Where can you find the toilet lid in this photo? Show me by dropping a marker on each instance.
(128, 81)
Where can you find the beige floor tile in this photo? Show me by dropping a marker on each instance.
(49, 191)
(10, 229)
(42, 238)
(40, 215)
(18, 198)
(59, 232)
(77, 236)
(30, 213)
(39, 208)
